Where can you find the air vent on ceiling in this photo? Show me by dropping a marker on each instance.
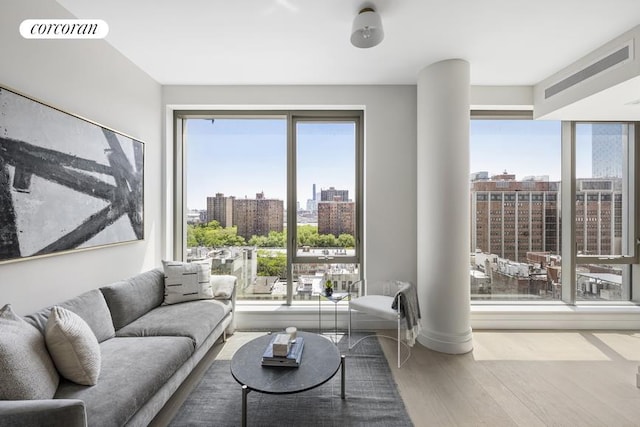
(619, 56)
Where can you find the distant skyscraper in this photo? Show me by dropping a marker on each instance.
(606, 150)
(312, 203)
(259, 216)
(333, 195)
(220, 208)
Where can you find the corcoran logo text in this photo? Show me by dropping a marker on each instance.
(64, 29)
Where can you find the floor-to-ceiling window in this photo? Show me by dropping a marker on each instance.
(273, 198)
(326, 240)
(604, 210)
(515, 210)
(546, 195)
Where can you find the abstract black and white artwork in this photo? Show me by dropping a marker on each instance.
(65, 183)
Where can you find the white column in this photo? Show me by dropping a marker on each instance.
(443, 206)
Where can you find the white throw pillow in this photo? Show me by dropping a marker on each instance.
(73, 346)
(187, 281)
(26, 369)
(223, 286)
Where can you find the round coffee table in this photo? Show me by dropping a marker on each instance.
(320, 362)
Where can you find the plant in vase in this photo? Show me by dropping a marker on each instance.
(328, 288)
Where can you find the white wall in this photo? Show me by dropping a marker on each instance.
(501, 97)
(390, 152)
(91, 79)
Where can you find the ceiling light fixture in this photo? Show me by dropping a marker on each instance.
(367, 29)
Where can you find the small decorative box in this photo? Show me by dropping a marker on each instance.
(281, 345)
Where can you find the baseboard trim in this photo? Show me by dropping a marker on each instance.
(447, 343)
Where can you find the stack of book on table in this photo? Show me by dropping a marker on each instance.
(292, 357)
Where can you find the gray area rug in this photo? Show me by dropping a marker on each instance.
(372, 398)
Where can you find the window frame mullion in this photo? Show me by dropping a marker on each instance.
(568, 211)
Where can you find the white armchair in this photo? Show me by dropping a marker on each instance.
(391, 305)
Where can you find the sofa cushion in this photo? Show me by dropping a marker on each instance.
(43, 412)
(223, 285)
(73, 346)
(26, 369)
(131, 298)
(195, 319)
(90, 306)
(187, 281)
(133, 370)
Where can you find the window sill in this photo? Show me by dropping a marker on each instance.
(512, 315)
(621, 315)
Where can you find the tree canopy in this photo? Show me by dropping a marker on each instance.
(212, 234)
(272, 264)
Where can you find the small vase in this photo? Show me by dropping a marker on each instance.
(328, 292)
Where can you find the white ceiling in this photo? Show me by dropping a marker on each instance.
(507, 42)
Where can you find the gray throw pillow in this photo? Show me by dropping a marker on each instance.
(26, 369)
(73, 347)
(187, 281)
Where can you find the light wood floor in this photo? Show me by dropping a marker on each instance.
(511, 378)
(545, 378)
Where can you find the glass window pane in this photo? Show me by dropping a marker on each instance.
(236, 186)
(601, 199)
(602, 282)
(515, 210)
(603, 210)
(326, 186)
(309, 279)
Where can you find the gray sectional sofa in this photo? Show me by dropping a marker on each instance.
(147, 350)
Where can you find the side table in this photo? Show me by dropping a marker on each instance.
(335, 298)
(321, 360)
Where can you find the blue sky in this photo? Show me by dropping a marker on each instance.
(242, 157)
(524, 148)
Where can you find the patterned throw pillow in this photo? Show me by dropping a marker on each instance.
(187, 281)
(73, 347)
(26, 369)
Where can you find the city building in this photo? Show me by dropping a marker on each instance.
(195, 216)
(312, 205)
(264, 285)
(239, 261)
(333, 195)
(606, 150)
(599, 216)
(259, 216)
(220, 208)
(336, 218)
(510, 218)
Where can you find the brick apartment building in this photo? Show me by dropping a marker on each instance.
(510, 218)
(220, 208)
(336, 218)
(259, 216)
(253, 217)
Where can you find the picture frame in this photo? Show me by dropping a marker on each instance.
(66, 183)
